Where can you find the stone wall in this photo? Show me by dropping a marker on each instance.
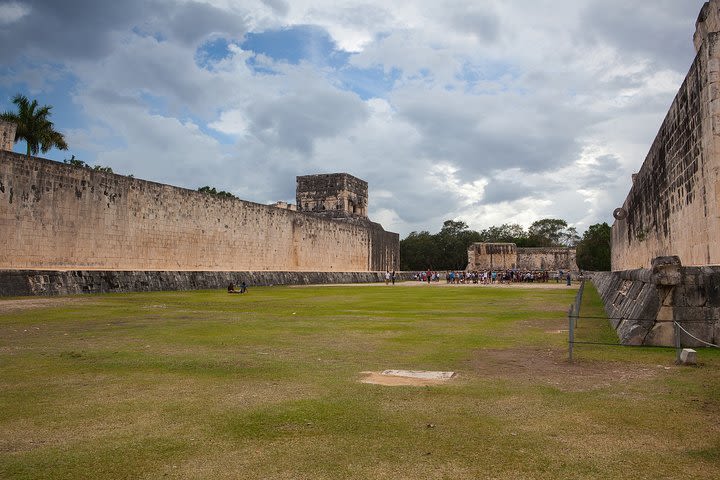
(673, 207)
(507, 256)
(7, 135)
(642, 304)
(35, 282)
(546, 259)
(60, 217)
(335, 195)
(492, 256)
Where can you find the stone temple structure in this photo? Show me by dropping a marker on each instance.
(334, 195)
(507, 256)
(666, 237)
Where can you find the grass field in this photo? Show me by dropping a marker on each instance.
(265, 386)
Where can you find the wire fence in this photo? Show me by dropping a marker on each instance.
(574, 316)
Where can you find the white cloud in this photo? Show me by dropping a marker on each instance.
(12, 12)
(498, 111)
(231, 122)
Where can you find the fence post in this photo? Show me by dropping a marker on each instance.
(571, 334)
(578, 301)
(678, 343)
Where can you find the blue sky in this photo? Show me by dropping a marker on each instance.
(485, 111)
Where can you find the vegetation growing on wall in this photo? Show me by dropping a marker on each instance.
(79, 163)
(219, 193)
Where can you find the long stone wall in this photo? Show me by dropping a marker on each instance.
(60, 217)
(673, 207)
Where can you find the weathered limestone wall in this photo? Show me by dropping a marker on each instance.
(7, 135)
(643, 304)
(507, 256)
(673, 207)
(59, 217)
(546, 259)
(44, 283)
(492, 256)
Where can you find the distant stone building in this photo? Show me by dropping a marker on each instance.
(7, 135)
(284, 206)
(336, 195)
(507, 256)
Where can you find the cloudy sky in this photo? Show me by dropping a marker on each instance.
(488, 111)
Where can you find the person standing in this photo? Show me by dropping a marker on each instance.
(387, 277)
(392, 277)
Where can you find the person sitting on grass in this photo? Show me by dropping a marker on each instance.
(243, 288)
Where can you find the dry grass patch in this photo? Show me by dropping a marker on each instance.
(23, 304)
(551, 367)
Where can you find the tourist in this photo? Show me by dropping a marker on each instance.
(392, 277)
(387, 277)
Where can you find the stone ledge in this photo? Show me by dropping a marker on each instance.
(50, 282)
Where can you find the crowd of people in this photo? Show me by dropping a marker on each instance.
(488, 277)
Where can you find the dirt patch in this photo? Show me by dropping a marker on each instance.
(551, 367)
(22, 304)
(377, 378)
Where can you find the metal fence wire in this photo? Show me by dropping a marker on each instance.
(574, 315)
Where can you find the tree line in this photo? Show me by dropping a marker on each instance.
(447, 249)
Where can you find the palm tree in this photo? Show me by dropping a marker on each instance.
(33, 126)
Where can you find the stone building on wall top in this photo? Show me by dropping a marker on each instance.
(7, 135)
(335, 195)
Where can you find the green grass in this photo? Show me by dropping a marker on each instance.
(265, 385)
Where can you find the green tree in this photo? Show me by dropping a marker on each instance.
(454, 239)
(218, 193)
(593, 251)
(446, 250)
(418, 251)
(547, 232)
(505, 233)
(570, 237)
(34, 126)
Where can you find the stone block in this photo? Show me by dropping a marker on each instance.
(662, 334)
(666, 270)
(688, 356)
